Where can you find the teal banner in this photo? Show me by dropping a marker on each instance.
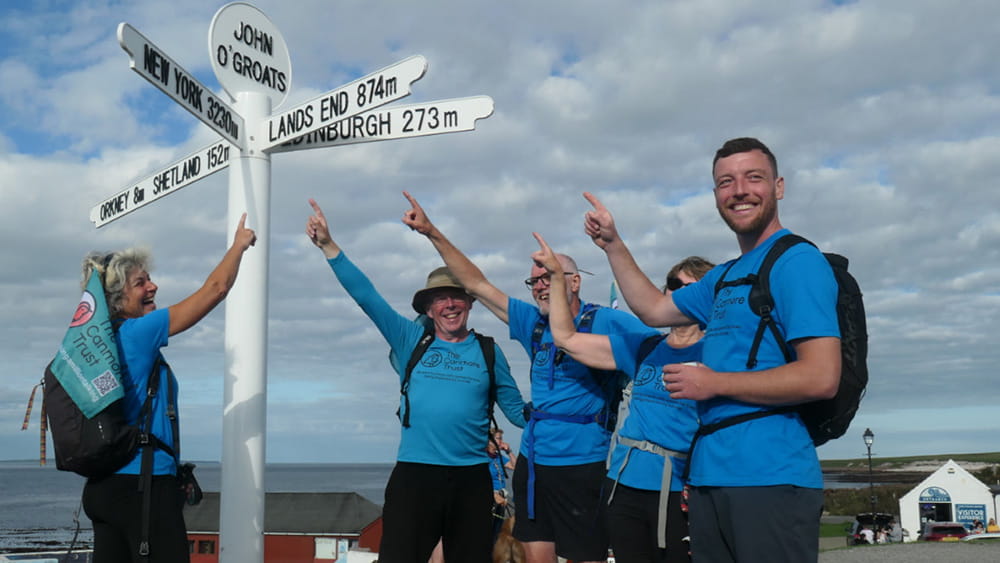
(87, 363)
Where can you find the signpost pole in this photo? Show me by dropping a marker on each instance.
(241, 517)
(250, 59)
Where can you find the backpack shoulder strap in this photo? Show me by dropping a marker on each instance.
(536, 336)
(646, 348)
(613, 382)
(779, 248)
(487, 346)
(585, 324)
(721, 283)
(404, 388)
(149, 443)
(762, 302)
(587, 317)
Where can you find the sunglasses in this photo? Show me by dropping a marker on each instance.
(673, 284)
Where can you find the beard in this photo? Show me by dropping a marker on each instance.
(768, 210)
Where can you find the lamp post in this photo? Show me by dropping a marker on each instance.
(869, 437)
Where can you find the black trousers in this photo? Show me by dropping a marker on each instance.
(114, 506)
(633, 520)
(424, 503)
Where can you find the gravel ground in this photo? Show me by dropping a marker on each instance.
(917, 552)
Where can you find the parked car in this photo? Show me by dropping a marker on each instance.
(943, 531)
(873, 521)
(985, 536)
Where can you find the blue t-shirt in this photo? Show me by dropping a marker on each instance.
(567, 387)
(652, 415)
(773, 450)
(139, 343)
(449, 386)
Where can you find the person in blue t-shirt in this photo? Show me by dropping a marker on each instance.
(757, 488)
(646, 520)
(560, 468)
(114, 504)
(440, 487)
(500, 463)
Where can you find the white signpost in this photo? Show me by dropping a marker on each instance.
(368, 92)
(397, 122)
(248, 53)
(161, 71)
(251, 62)
(200, 164)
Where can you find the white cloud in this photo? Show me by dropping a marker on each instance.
(883, 117)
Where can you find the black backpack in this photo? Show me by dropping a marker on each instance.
(829, 418)
(97, 447)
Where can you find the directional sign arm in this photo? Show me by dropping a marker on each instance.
(200, 164)
(364, 94)
(397, 122)
(149, 61)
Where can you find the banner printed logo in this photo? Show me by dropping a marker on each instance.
(84, 311)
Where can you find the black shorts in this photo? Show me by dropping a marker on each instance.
(633, 520)
(425, 503)
(568, 509)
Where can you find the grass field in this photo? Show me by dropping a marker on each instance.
(832, 530)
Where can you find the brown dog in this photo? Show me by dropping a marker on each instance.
(507, 549)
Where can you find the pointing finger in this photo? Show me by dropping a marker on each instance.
(541, 242)
(598, 206)
(316, 209)
(412, 201)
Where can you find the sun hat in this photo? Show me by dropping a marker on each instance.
(438, 278)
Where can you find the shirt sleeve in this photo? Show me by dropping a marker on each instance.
(805, 294)
(508, 395)
(400, 332)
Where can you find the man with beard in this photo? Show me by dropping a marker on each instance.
(757, 487)
(561, 466)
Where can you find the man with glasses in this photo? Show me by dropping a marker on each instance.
(561, 466)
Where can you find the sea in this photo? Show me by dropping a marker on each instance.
(40, 505)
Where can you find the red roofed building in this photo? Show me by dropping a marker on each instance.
(298, 527)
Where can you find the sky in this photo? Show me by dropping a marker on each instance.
(884, 117)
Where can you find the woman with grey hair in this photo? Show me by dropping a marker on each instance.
(114, 504)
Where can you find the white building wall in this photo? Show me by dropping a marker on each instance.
(950, 481)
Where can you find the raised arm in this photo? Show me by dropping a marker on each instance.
(643, 298)
(192, 309)
(319, 232)
(393, 326)
(592, 350)
(467, 273)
